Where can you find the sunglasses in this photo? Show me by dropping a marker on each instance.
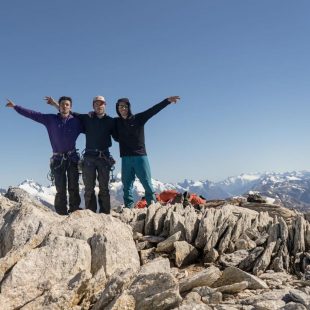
(123, 106)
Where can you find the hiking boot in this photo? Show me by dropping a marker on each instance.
(178, 199)
(186, 196)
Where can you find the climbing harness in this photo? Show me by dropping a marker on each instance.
(61, 157)
(101, 154)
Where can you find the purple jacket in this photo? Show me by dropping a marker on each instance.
(62, 132)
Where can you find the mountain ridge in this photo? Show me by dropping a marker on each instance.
(292, 189)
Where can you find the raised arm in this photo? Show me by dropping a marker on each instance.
(51, 101)
(146, 115)
(35, 116)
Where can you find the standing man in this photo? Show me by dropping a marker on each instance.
(130, 132)
(97, 159)
(63, 130)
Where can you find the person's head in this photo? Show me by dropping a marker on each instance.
(65, 105)
(99, 105)
(123, 107)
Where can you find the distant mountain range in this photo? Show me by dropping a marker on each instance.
(291, 189)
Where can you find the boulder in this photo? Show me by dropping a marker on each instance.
(233, 275)
(155, 287)
(204, 278)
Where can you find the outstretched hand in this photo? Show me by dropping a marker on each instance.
(174, 99)
(10, 104)
(51, 101)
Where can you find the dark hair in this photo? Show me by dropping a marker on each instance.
(65, 98)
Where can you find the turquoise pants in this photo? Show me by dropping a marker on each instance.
(139, 166)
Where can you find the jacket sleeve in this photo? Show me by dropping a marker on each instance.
(35, 116)
(114, 132)
(143, 117)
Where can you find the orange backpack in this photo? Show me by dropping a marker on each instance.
(141, 203)
(196, 200)
(167, 196)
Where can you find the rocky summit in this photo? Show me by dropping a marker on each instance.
(224, 254)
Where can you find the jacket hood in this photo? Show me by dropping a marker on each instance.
(125, 100)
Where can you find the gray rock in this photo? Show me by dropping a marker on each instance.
(205, 228)
(114, 288)
(58, 260)
(168, 244)
(62, 295)
(233, 288)
(204, 278)
(21, 221)
(191, 225)
(192, 297)
(123, 302)
(159, 220)
(300, 297)
(293, 306)
(166, 229)
(214, 298)
(204, 290)
(211, 256)
(273, 295)
(144, 245)
(185, 253)
(153, 239)
(147, 255)
(262, 239)
(177, 224)
(235, 275)
(111, 241)
(21, 196)
(247, 264)
(193, 306)
(223, 219)
(155, 287)
(264, 260)
(7, 262)
(299, 235)
(149, 221)
(242, 224)
(245, 243)
(268, 304)
(234, 258)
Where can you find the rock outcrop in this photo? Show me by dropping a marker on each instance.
(215, 256)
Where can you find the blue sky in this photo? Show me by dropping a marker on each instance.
(240, 67)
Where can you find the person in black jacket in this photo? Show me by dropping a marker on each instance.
(130, 135)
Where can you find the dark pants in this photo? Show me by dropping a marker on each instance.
(66, 172)
(95, 167)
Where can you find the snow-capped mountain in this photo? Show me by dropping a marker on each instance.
(206, 188)
(46, 195)
(242, 183)
(292, 189)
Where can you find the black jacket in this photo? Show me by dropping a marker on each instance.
(98, 131)
(130, 131)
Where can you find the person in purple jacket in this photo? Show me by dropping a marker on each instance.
(63, 129)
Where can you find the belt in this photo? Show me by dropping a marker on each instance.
(100, 153)
(65, 153)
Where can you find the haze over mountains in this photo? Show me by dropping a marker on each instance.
(292, 189)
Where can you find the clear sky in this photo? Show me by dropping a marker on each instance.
(241, 68)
